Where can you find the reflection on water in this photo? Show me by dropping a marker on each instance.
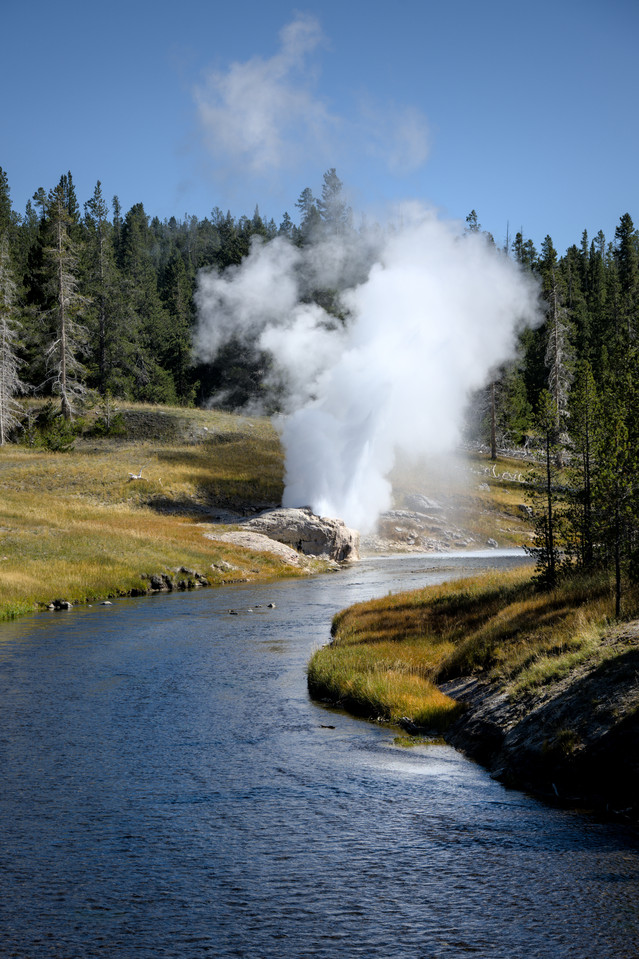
(169, 790)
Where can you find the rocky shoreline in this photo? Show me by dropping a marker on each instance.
(297, 537)
(573, 741)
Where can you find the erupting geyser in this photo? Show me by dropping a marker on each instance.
(428, 314)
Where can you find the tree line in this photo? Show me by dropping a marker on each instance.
(572, 394)
(95, 302)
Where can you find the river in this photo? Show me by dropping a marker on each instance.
(169, 790)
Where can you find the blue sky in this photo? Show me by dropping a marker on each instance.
(526, 113)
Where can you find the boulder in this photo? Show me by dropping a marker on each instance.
(307, 533)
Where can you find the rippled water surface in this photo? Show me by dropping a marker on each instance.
(169, 790)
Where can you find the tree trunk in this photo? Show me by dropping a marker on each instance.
(552, 572)
(493, 428)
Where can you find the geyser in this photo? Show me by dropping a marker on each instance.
(425, 315)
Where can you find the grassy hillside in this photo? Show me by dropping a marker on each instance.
(75, 525)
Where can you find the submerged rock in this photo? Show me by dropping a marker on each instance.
(58, 604)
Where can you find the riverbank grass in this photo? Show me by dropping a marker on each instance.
(388, 657)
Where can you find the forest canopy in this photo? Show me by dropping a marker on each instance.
(94, 299)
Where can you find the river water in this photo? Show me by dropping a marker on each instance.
(169, 790)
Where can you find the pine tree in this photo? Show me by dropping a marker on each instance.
(584, 423)
(548, 519)
(10, 383)
(68, 339)
(310, 218)
(102, 284)
(614, 484)
(626, 256)
(286, 227)
(513, 411)
(6, 213)
(177, 290)
(147, 321)
(232, 247)
(333, 209)
(472, 223)
(117, 225)
(524, 252)
(559, 353)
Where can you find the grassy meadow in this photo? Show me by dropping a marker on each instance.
(74, 525)
(387, 656)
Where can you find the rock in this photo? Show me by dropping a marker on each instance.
(58, 604)
(492, 543)
(303, 531)
(409, 726)
(422, 504)
(259, 544)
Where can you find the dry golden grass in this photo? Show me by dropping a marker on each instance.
(74, 525)
(388, 655)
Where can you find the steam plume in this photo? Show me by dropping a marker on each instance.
(429, 314)
(264, 115)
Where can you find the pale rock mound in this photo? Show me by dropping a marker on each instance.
(260, 543)
(307, 533)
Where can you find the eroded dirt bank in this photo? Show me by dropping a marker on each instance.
(574, 741)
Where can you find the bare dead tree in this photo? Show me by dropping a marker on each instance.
(10, 383)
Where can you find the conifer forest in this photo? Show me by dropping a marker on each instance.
(98, 304)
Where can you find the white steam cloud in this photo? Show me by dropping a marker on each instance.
(263, 113)
(265, 116)
(428, 315)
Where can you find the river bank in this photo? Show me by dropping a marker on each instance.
(541, 688)
(572, 741)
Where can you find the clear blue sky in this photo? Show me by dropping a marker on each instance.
(527, 113)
